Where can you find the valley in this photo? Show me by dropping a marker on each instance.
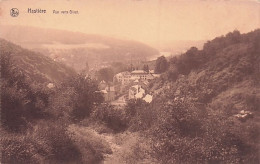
(201, 106)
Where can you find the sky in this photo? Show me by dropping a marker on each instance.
(148, 21)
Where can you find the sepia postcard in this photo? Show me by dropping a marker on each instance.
(130, 81)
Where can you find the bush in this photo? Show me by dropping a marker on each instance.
(139, 115)
(91, 145)
(187, 134)
(85, 96)
(54, 134)
(21, 101)
(21, 149)
(47, 142)
(114, 119)
(161, 65)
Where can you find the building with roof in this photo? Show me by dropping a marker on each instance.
(148, 98)
(139, 74)
(134, 90)
(137, 92)
(123, 77)
(50, 85)
(109, 93)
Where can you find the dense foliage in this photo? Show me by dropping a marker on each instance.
(35, 118)
(21, 103)
(192, 118)
(198, 98)
(161, 65)
(105, 74)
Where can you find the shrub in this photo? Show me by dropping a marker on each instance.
(21, 102)
(114, 119)
(91, 145)
(47, 142)
(161, 65)
(139, 114)
(54, 134)
(21, 149)
(85, 96)
(187, 134)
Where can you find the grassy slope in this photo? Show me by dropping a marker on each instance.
(228, 78)
(225, 82)
(36, 66)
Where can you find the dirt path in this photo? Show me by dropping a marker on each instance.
(119, 148)
(114, 146)
(106, 142)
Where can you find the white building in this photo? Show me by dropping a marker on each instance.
(127, 77)
(109, 93)
(148, 98)
(137, 92)
(123, 77)
(139, 74)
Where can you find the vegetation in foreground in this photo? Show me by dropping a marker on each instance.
(193, 118)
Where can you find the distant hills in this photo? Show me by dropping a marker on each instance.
(76, 49)
(177, 47)
(37, 67)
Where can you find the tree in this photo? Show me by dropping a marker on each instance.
(20, 101)
(106, 74)
(118, 67)
(188, 61)
(146, 68)
(161, 65)
(85, 94)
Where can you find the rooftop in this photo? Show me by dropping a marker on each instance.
(139, 72)
(148, 98)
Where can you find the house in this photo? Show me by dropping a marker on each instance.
(139, 74)
(109, 93)
(123, 77)
(154, 74)
(136, 91)
(148, 98)
(50, 85)
(150, 77)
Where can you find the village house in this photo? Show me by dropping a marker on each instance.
(127, 77)
(50, 85)
(137, 92)
(139, 74)
(109, 93)
(123, 77)
(148, 98)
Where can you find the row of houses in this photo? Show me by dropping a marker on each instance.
(127, 77)
(134, 92)
(137, 92)
(134, 83)
(109, 92)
